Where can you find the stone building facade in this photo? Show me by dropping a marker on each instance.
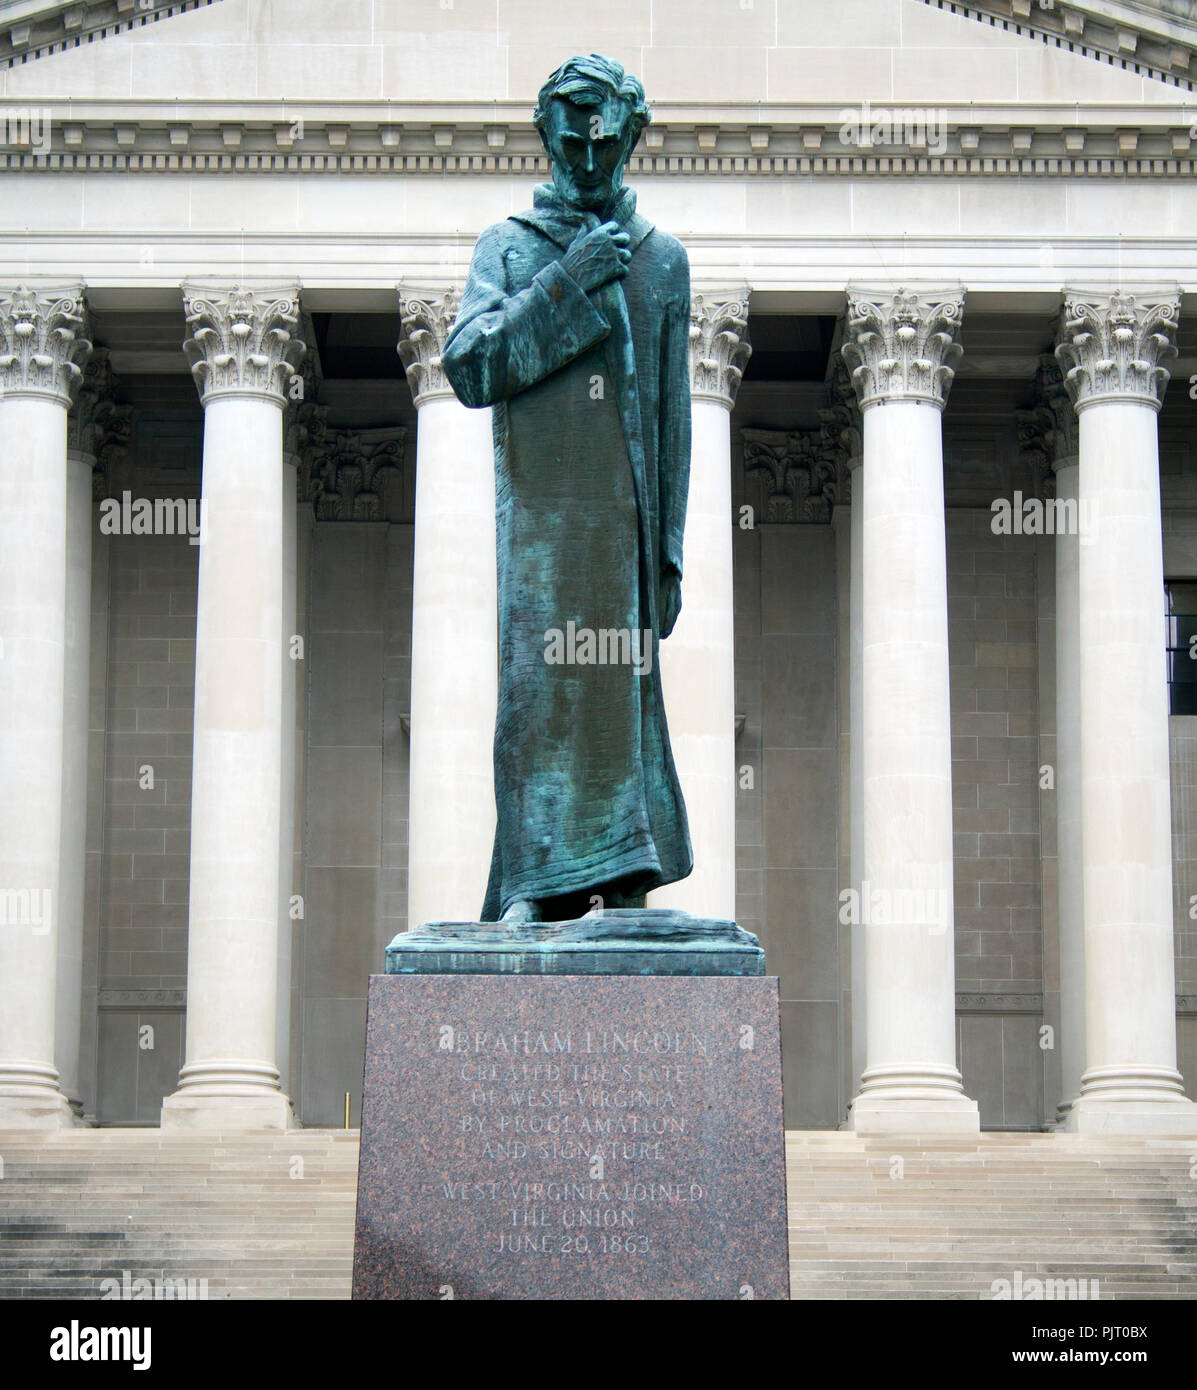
(928, 691)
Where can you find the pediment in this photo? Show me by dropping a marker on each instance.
(1154, 38)
(32, 29)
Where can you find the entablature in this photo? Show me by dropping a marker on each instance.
(1065, 139)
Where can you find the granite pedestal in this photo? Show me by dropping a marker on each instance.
(567, 1132)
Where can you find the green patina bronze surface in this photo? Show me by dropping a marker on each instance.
(648, 941)
(574, 326)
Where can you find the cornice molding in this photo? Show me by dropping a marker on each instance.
(37, 28)
(1137, 37)
(1101, 140)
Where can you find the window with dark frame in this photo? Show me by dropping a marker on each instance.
(1182, 646)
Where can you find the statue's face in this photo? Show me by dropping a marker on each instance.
(588, 147)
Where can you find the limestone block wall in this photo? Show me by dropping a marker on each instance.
(993, 650)
(143, 845)
(791, 581)
(342, 939)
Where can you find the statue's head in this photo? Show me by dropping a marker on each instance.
(590, 114)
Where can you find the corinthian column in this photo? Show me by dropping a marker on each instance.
(698, 660)
(1112, 349)
(454, 631)
(901, 350)
(41, 347)
(242, 351)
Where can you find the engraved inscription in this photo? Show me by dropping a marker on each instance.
(599, 1097)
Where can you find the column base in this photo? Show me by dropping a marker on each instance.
(225, 1095)
(884, 1115)
(907, 1099)
(1147, 1117)
(201, 1112)
(46, 1111)
(30, 1098)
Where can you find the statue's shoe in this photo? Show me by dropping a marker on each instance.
(521, 911)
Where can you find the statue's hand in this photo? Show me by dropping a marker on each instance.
(670, 599)
(594, 258)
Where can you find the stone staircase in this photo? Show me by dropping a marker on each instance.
(933, 1217)
(257, 1216)
(943, 1218)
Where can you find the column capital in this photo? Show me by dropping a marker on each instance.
(42, 342)
(1112, 345)
(356, 471)
(844, 428)
(797, 471)
(1048, 433)
(305, 425)
(426, 320)
(243, 341)
(719, 346)
(98, 430)
(901, 343)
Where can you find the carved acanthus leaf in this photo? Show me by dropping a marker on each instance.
(243, 341)
(42, 341)
(719, 346)
(1113, 347)
(353, 472)
(797, 472)
(843, 429)
(425, 325)
(1048, 434)
(901, 344)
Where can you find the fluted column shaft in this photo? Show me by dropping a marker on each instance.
(698, 659)
(243, 350)
(41, 347)
(1113, 347)
(901, 350)
(454, 633)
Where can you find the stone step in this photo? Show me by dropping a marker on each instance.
(84, 1206)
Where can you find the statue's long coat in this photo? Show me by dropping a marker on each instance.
(591, 397)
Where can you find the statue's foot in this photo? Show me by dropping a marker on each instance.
(521, 911)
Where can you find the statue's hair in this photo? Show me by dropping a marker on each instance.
(589, 82)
